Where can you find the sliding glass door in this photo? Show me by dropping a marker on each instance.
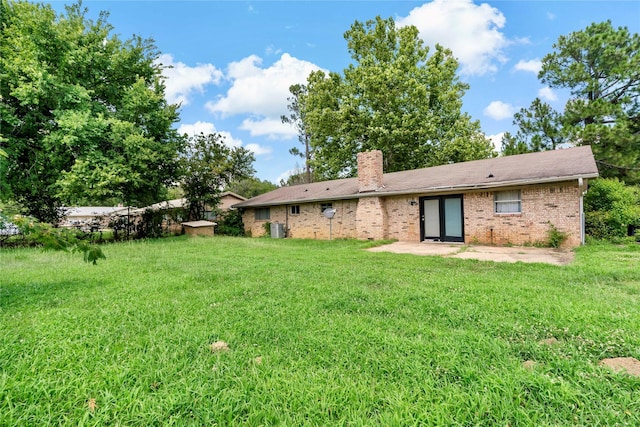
(442, 218)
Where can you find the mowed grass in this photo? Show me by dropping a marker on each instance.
(319, 333)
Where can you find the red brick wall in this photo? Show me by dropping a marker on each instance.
(558, 204)
(397, 218)
(403, 213)
(371, 219)
(310, 223)
(369, 170)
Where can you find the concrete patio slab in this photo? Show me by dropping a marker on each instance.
(483, 253)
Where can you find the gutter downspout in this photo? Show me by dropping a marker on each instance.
(286, 220)
(582, 191)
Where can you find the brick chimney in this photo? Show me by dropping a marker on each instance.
(369, 171)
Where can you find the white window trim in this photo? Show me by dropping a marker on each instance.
(497, 203)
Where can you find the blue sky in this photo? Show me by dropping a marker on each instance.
(233, 61)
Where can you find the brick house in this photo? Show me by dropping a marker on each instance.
(503, 200)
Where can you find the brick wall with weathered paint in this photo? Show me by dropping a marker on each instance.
(558, 204)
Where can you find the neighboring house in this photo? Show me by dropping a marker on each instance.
(227, 200)
(504, 200)
(91, 218)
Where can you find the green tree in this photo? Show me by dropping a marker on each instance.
(610, 208)
(251, 187)
(83, 113)
(600, 67)
(209, 166)
(539, 129)
(395, 97)
(296, 118)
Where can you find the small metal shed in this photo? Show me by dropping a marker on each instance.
(198, 228)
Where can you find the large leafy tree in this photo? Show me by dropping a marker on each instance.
(600, 66)
(209, 166)
(395, 97)
(83, 113)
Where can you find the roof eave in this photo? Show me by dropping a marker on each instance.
(429, 190)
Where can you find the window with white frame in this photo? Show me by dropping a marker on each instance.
(295, 210)
(262, 214)
(507, 202)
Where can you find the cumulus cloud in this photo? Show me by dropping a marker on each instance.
(258, 150)
(532, 66)
(262, 93)
(499, 110)
(471, 31)
(207, 128)
(547, 94)
(197, 128)
(496, 140)
(182, 80)
(271, 128)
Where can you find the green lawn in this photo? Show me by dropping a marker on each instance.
(320, 333)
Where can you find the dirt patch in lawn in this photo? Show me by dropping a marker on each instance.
(483, 253)
(628, 365)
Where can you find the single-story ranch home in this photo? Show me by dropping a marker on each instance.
(499, 201)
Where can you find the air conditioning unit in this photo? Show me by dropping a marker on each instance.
(277, 230)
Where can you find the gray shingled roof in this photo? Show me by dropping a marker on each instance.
(524, 169)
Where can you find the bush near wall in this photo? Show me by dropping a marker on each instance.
(230, 223)
(612, 209)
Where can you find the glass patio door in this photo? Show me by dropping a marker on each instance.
(442, 218)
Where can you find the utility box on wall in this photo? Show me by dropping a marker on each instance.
(277, 230)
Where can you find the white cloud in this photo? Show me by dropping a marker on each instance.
(258, 150)
(499, 110)
(496, 140)
(197, 128)
(272, 128)
(471, 31)
(182, 80)
(532, 66)
(207, 128)
(551, 16)
(261, 91)
(286, 174)
(547, 94)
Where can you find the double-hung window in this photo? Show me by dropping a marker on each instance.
(507, 202)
